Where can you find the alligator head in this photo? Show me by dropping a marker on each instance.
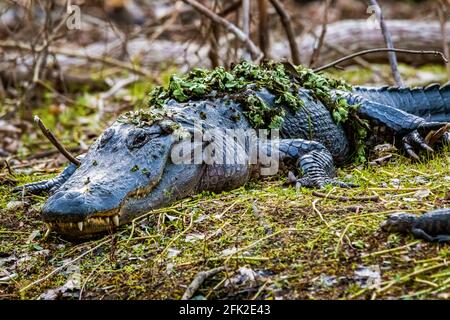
(126, 172)
(398, 222)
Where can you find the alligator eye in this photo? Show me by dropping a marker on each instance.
(107, 135)
(137, 138)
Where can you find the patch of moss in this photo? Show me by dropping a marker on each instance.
(295, 252)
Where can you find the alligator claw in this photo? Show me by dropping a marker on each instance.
(409, 150)
(414, 139)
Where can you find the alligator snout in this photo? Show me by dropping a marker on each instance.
(67, 206)
(78, 212)
(74, 205)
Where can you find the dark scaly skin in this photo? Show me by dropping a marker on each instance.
(129, 171)
(431, 226)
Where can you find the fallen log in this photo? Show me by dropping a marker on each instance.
(342, 38)
(358, 35)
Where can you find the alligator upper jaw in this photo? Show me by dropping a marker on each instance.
(84, 221)
(93, 225)
(82, 226)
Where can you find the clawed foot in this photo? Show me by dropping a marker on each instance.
(317, 181)
(413, 140)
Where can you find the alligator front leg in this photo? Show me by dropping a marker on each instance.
(419, 233)
(312, 158)
(50, 185)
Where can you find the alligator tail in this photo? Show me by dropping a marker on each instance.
(431, 103)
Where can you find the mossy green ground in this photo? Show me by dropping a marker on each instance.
(274, 241)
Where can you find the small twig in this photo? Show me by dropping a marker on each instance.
(341, 237)
(51, 137)
(56, 93)
(380, 160)
(358, 60)
(412, 274)
(319, 213)
(230, 8)
(120, 84)
(254, 50)
(71, 53)
(442, 13)
(246, 22)
(176, 238)
(316, 53)
(8, 167)
(430, 283)
(388, 39)
(433, 136)
(287, 24)
(198, 281)
(62, 267)
(246, 17)
(360, 53)
(261, 289)
(169, 22)
(343, 198)
(377, 253)
(263, 29)
(89, 277)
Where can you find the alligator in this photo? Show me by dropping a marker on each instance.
(431, 226)
(129, 170)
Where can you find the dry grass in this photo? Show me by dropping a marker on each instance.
(293, 244)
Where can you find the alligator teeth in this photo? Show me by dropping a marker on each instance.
(107, 220)
(80, 225)
(116, 220)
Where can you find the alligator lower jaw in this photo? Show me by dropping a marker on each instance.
(87, 228)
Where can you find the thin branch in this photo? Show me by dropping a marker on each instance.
(56, 270)
(246, 17)
(198, 281)
(70, 53)
(263, 30)
(360, 53)
(313, 204)
(254, 50)
(246, 21)
(345, 199)
(316, 53)
(389, 44)
(442, 13)
(230, 8)
(286, 21)
(358, 60)
(51, 137)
